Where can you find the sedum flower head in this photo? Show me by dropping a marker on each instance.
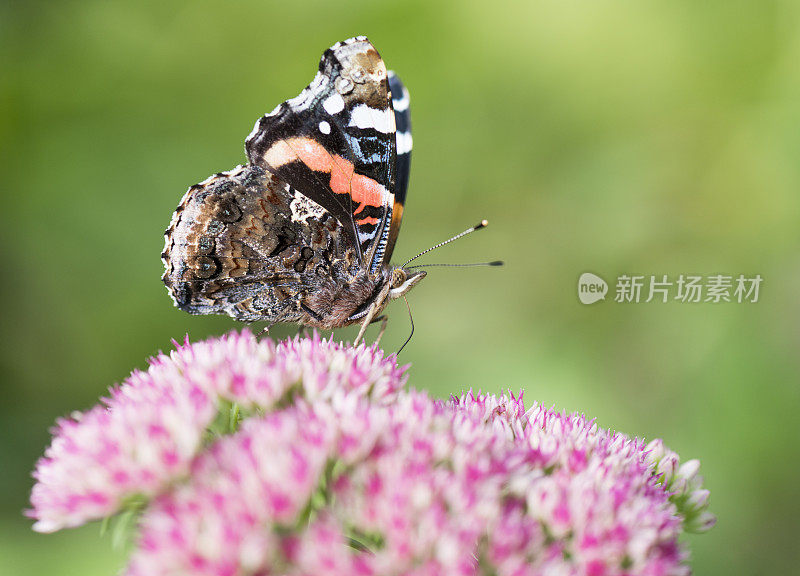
(307, 457)
(147, 432)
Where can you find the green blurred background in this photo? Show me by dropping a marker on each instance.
(606, 136)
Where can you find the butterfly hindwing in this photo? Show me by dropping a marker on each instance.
(402, 119)
(335, 143)
(244, 243)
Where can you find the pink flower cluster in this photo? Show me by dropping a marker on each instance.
(148, 431)
(308, 458)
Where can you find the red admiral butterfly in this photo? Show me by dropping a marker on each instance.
(304, 232)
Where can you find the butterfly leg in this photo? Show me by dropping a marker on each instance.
(384, 320)
(374, 308)
(265, 330)
(367, 321)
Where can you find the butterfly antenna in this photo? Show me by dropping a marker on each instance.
(481, 224)
(410, 317)
(471, 264)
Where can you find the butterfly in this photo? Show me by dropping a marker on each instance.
(304, 232)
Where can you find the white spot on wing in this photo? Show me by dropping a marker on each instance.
(401, 105)
(404, 142)
(324, 127)
(304, 208)
(363, 237)
(363, 116)
(333, 104)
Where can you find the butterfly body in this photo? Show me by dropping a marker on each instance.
(304, 232)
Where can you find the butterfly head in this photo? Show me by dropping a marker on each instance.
(403, 280)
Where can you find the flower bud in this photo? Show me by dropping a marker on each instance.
(655, 451)
(689, 469)
(698, 499)
(667, 466)
(703, 523)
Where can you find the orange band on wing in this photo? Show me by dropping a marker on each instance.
(362, 189)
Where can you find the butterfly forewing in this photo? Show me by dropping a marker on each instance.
(335, 142)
